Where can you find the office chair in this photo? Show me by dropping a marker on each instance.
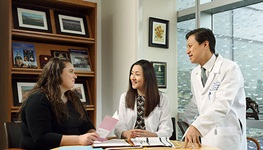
(13, 134)
(254, 141)
(173, 137)
(183, 126)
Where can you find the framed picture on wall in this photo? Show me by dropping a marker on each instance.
(158, 33)
(161, 73)
(31, 18)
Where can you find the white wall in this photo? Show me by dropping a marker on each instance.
(119, 45)
(164, 10)
(125, 39)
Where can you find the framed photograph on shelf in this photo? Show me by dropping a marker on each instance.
(161, 73)
(80, 88)
(31, 18)
(80, 59)
(24, 55)
(60, 54)
(20, 90)
(71, 24)
(158, 33)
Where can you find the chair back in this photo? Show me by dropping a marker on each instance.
(255, 141)
(183, 126)
(13, 134)
(173, 137)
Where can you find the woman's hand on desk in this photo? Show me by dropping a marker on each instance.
(192, 137)
(84, 139)
(88, 138)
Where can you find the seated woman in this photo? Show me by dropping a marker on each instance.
(143, 110)
(52, 115)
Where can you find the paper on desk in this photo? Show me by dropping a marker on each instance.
(79, 148)
(107, 124)
(112, 143)
(153, 141)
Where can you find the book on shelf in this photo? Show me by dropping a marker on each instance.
(135, 142)
(24, 55)
(80, 59)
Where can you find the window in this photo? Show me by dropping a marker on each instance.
(239, 37)
(185, 66)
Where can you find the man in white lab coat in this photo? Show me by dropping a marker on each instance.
(217, 111)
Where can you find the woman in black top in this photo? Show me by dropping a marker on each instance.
(52, 115)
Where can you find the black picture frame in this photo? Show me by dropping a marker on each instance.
(71, 24)
(84, 93)
(80, 59)
(20, 87)
(158, 33)
(31, 18)
(60, 54)
(160, 69)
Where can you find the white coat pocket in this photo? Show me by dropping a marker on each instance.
(227, 138)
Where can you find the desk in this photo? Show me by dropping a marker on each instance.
(177, 145)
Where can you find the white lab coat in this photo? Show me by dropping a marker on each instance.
(219, 106)
(159, 120)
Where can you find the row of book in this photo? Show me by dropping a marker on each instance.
(24, 56)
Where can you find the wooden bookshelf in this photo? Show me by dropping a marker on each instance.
(44, 42)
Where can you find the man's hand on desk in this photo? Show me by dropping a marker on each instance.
(137, 133)
(192, 137)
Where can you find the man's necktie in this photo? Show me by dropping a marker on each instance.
(203, 76)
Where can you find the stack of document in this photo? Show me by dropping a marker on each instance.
(152, 141)
(135, 142)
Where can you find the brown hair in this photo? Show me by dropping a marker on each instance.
(152, 97)
(49, 83)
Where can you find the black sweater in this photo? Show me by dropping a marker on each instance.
(40, 128)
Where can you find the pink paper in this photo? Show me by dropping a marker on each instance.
(107, 124)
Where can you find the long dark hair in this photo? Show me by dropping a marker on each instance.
(49, 83)
(152, 96)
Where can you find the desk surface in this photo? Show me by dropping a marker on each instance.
(177, 144)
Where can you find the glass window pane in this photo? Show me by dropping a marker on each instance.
(239, 32)
(184, 65)
(223, 33)
(243, 33)
(204, 1)
(183, 4)
(248, 41)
